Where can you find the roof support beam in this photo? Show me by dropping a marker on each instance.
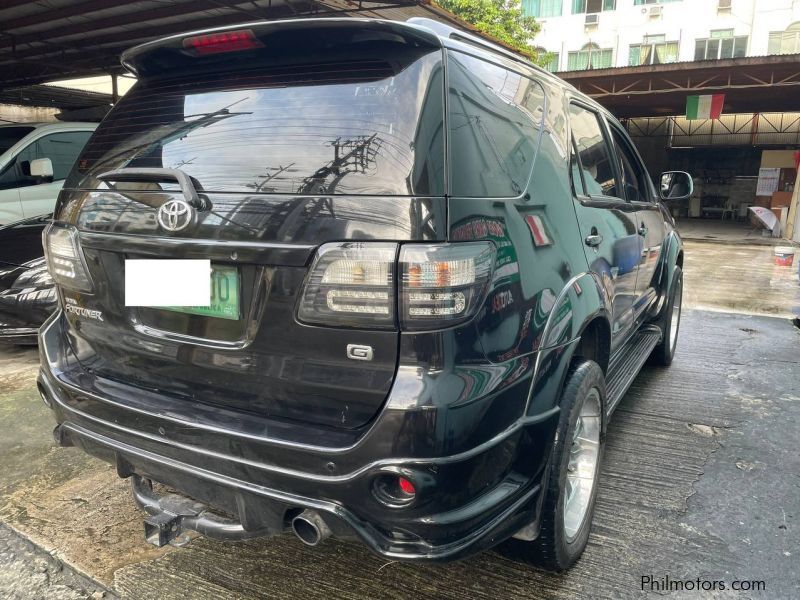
(172, 10)
(65, 12)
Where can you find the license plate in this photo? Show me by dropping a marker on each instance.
(224, 296)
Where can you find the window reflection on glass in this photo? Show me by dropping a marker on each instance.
(633, 174)
(351, 128)
(593, 153)
(495, 123)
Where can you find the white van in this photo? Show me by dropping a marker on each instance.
(34, 161)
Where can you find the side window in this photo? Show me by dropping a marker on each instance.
(495, 122)
(62, 149)
(633, 178)
(575, 171)
(15, 174)
(594, 156)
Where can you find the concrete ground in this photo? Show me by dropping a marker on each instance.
(728, 231)
(700, 480)
(740, 278)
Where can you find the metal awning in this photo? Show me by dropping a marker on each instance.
(57, 39)
(750, 85)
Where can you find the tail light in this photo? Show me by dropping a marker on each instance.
(65, 259)
(354, 285)
(443, 285)
(351, 284)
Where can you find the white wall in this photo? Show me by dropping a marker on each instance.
(683, 21)
(26, 114)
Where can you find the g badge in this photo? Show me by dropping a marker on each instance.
(357, 352)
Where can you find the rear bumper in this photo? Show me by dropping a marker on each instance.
(467, 501)
(22, 336)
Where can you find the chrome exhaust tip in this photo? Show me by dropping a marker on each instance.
(310, 527)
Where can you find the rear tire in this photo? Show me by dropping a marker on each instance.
(670, 323)
(568, 507)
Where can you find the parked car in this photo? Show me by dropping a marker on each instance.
(426, 299)
(34, 161)
(27, 292)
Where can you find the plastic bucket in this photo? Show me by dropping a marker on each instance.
(784, 256)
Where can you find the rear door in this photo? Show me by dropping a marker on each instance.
(649, 218)
(285, 158)
(10, 207)
(607, 219)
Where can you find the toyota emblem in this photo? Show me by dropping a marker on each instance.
(175, 215)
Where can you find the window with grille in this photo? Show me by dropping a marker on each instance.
(654, 50)
(720, 44)
(542, 8)
(592, 6)
(591, 56)
(785, 42)
(551, 57)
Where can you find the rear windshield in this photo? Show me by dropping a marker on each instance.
(364, 127)
(11, 135)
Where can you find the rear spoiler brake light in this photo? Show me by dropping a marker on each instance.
(224, 41)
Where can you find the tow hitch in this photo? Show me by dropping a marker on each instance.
(171, 516)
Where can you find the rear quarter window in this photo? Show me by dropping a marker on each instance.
(358, 127)
(495, 121)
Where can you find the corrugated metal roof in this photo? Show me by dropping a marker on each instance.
(750, 84)
(55, 39)
(55, 97)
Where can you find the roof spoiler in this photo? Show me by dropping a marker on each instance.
(170, 53)
(448, 31)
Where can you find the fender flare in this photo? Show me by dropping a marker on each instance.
(586, 300)
(673, 246)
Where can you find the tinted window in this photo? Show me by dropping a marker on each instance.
(61, 148)
(367, 127)
(593, 152)
(575, 171)
(11, 135)
(495, 121)
(633, 179)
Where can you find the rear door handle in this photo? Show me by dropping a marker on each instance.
(594, 240)
(643, 230)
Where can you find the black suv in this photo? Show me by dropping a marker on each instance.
(435, 271)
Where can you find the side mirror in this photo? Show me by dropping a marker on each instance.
(42, 168)
(675, 185)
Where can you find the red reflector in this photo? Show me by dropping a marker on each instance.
(224, 41)
(406, 486)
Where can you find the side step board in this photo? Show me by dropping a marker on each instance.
(626, 363)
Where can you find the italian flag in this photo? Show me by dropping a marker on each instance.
(704, 107)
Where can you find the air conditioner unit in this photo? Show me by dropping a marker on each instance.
(724, 5)
(655, 12)
(592, 20)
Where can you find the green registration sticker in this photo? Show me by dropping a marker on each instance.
(224, 296)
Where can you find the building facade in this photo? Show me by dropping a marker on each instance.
(594, 34)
